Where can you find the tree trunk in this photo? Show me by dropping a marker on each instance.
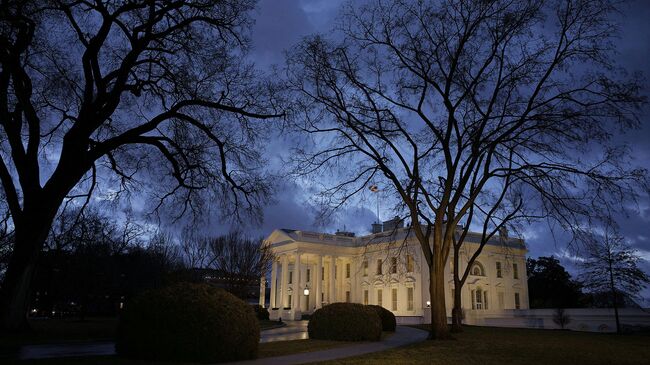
(457, 310)
(439, 328)
(30, 235)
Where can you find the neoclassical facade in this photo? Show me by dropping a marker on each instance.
(387, 268)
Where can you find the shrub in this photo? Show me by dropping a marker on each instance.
(188, 322)
(345, 322)
(261, 312)
(388, 322)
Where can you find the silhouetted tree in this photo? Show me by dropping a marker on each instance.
(551, 286)
(561, 317)
(467, 112)
(151, 96)
(240, 261)
(611, 265)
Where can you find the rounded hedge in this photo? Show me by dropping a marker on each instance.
(345, 322)
(388, 322)
(188, 322)
(261, 312)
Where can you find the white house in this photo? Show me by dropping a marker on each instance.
(387, 268)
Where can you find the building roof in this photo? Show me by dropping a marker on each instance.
(285, 236)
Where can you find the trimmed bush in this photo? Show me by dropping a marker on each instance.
(388, 322)
(261, 312)
(345, 322)
(188, 322)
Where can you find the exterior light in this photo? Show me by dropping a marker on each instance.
(428, 304)
(306, 291)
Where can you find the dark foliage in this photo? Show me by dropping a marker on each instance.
(261, 312)
(188, 322)
(551, 286)
(345, 322)
(388, 322)
(561, 317)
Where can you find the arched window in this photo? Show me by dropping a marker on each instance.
(477, 269)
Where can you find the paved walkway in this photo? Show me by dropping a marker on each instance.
(294, 330)
(403, 336)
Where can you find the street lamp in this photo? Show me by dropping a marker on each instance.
(306, 291)
(428, 304)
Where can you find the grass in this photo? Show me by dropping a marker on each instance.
(270, 349)
(62, 330)
(488, 346)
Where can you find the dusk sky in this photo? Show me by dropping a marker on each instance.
(282, 23)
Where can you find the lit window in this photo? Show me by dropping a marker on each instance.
(409, 263)
(394, 299)
(393, 265)
(365, 297)
(499, 275)
(517, 301)
(515, 271)
(379, 263)
(347, 271)
(380, 294)
(365, 268)
(409, 303)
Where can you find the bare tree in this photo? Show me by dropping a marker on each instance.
(240, 261)
(611, 266)
(469, 113)
(146, 96)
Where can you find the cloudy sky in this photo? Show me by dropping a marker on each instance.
(281, 23)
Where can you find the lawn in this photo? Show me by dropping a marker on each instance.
(269, 349)
(487, 346)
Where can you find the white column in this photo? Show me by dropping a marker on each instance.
(263, 291)
(318, 281)
(297, 289)
(274, 287)
(332, 296)
(285, 280)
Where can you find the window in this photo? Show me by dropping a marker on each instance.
(336, 271)
(290, 301)
(380, 301)
(322, 297)
(394, 299)
(379, 263)
(515, 271)
(477, 299)
(308, 275)
(365, 297)
(477, 270)
(409, 302)
(290, 277)
(517, 301)
(347, 271)
(322, 273)
(393, 265)
(365, 268)
(347, 296)
(485, 300)
(499, 275)
(409, 263)
(501, 301)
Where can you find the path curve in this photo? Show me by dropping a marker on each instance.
(403, 336)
